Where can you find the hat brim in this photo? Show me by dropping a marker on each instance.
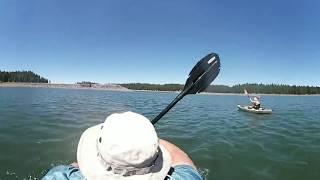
(92, 169)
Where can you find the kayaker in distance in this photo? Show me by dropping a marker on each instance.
(255, 102)
(255, 107)
(126, 147)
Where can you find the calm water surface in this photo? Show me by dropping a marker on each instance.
(40, 128)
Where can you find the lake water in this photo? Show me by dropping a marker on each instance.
(40, 128)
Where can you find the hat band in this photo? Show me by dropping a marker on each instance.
(124, 170)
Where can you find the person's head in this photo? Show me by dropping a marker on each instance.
(124, 147)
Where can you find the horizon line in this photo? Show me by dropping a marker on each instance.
(161, 84)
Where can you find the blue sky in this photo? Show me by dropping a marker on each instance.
(160, 41)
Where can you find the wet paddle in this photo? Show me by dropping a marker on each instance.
(200, 77)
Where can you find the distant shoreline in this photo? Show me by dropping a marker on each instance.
(107, 87)
(237, 94)
(116, 87)
(229, 94)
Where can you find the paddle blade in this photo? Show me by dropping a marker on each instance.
(202, 74)
(246, 92)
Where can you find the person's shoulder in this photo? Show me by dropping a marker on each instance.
(63, 172)
(185, 172)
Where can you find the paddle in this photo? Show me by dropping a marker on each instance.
(246, 92)
(200, 77)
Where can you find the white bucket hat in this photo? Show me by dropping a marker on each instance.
(124, 147)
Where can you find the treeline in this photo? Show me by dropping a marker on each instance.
(252, 88)
(21, 76)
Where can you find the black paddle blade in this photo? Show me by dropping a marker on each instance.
(202, 74)
(200, 77)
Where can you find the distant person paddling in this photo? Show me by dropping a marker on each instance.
(126, 147)
(255, 100)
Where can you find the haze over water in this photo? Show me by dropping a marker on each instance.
(40, 128)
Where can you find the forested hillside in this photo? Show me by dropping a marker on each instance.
(21, 76)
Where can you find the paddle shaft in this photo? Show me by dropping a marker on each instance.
(174, 102)
(163, 112)
(246, 92)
